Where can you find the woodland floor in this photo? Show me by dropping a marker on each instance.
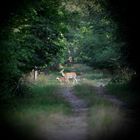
(74, 126)
(85, 122)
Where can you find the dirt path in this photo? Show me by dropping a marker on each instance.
(72, 127)
(77, 104)
(76, 125)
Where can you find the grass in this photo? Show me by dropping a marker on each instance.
(78, 68)
(43, 105)
(88, 92)
(125, 92)
(34, 108)
(120, 90)
(105, 120)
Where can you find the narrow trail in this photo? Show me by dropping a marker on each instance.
(76, 125)
(72, 127)
(77, 104)
(77, 128)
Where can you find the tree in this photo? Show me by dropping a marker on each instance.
(29, 40)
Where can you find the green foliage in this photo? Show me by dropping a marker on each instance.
(90, 35)
(43, 99)
(122, 90)
(29, 40)
(47, 33)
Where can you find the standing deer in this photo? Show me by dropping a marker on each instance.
(69, 75)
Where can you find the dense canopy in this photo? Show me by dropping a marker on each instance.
(46, 33)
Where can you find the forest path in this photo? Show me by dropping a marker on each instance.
(71, 127)
(76, 125)
(77, 104)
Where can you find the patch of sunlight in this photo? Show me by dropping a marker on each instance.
(101, 82)
(96, 82)
(46, 80)
(78, 68)
(16, 30)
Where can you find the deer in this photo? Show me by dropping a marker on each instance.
(69, 75)
(61, 79)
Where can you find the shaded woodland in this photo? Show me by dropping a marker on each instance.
(102, 34)
(50, 35)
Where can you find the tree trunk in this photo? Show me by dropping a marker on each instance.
(35, 74)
